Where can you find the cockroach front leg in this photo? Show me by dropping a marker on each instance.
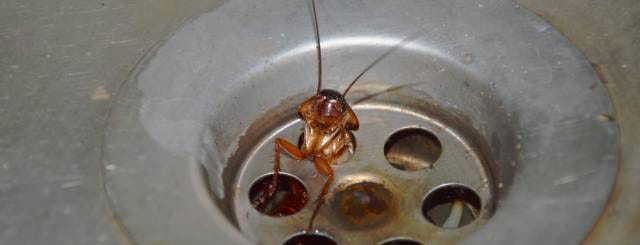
(324, 168)
(294, 152)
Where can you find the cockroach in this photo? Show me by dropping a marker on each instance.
(328, 122)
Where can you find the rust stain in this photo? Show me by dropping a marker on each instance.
(605, 117)
(600, 72)
(364, 205)
(100, 93)
(121, 230)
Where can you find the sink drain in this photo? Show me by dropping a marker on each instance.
(369, 194)
(488, 117)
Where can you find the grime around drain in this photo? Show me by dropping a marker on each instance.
(363, 205)
(372, 200)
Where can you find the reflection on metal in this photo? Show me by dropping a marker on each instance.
(453, 221)
(513, 103)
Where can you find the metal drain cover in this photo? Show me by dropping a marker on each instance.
(520, 119)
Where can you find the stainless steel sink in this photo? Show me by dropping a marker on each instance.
(147, 122)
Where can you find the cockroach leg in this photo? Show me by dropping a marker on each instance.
(324, 168)
(290, 149)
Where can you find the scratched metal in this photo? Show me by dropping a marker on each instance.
(460, 163)
(61, 62)
(477, 60)
(605, 33)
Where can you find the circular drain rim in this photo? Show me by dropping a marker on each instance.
(369, 157)
(120, 173)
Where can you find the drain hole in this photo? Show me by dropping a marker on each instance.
(401, 241)
(451, 206)
(412, 149)
(346, 155)
(289, 198)
(310, 239)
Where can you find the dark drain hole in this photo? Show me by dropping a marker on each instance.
(289, 197)
(346, 155)
(451, 206)
(401, 241)
(310, 239)
(412, 149)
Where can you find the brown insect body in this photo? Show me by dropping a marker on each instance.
(327, 133)
(329, 120)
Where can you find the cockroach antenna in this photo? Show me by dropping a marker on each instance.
(318, 49)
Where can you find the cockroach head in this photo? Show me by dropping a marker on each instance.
(324, 110)
(330, 103)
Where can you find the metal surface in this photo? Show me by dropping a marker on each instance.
(53, 116)
(528, 93)
(60, 64)
(607, 34)
(459, 163)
